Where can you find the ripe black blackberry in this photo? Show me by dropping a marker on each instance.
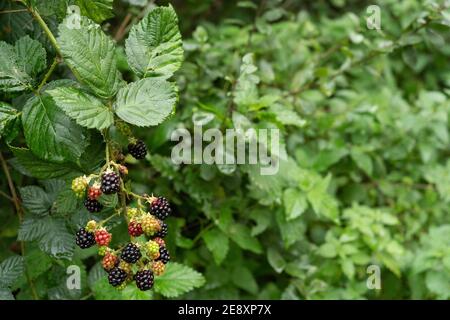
(163, 231)
(116, 276)
(144, 279)
(84, 239)
(138, 150)
(110, 182)
(131, 253)
(164, 255)
(160, 208)
(93, 205)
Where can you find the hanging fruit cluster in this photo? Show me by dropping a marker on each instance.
(146, 255)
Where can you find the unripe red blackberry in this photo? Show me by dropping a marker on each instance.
(160, 241)
(94, 192)
(160, 207)
(116, 276)
(123, 170)
(164, 255)
(110, 182)
(144, 279)
(158, 268)
(163, 231)
(109, 261)
(84, 239)
(138, 150)
(93, 206)
(135, 229)
(103, 237)
(131, 253)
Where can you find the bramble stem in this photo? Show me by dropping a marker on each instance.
(48, 74)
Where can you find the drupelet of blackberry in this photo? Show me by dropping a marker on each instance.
(110, 182)
(93, 205)
(138, 150)
(163, 231)
(131, 253)
(144, 279)
(84, 239)
(164, 255)
(160, 208)
(116, 276)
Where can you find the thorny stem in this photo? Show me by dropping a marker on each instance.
(19, 211)
(48, 74)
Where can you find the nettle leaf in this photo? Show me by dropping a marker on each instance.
(49, 133)
(85, 109)
(178, 279)
(295, 203)
(92, 55)
(12, 76)
(154, 46)
(146, 102)
(31, 56)
(322, 202)
(35, 200)
(8, 115)
(27, 163)
(97, 10)
(10, 270)
(217, 242)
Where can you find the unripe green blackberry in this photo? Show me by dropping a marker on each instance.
(152, 249)
(79, 186)
(91, 226)
(158, 268)
(150, 225)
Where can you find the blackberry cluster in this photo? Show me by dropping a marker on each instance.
(116, 276)
(144, 279)
(138, 150)
(110, 182)
(131, 253)
(160, 207)
(93, 206)
(84, 239)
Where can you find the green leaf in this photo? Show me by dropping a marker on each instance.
(362, 160)
(323, 203)
(146, 102)
(276, 260)
(92, 55)
(291, 231)
(154, 46)
(217, 242)
(31, 56)
(178, 279)
(35, 200)
(10, 270)
(28, 164)
(97, 10)
(32, 228)
(6, 294)
(8, 115)
(241, 235)
(438, 283)
(131, 292)
(49, 133)
(243, 278)
(327, 250)
(84, 108)
(104, 291)
(12, 75)
(294, 203)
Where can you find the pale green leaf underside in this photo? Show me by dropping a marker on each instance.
(146, 102)
(178, 279)
(10, 270)
(92, 55)
(12, 76)
(7, 114)
(154, 47)
(84, 108)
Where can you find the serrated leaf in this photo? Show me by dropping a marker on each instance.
(217, 242)
(178, 279)
(7, 116)
(35, 200)
(49, 133)
(241, 235)
(27, 163)
(146, 102)
(92, 55)
(291, 231)
(58, 242)
(32, 228)
(295, 203)
(97, 10)
(31, 56)
(85, 109)
(104, 291)
(362, 160)
(10, 270)
(323, 203)
(12, 75)
(243, 278)
(154, 47)
(132, 292)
